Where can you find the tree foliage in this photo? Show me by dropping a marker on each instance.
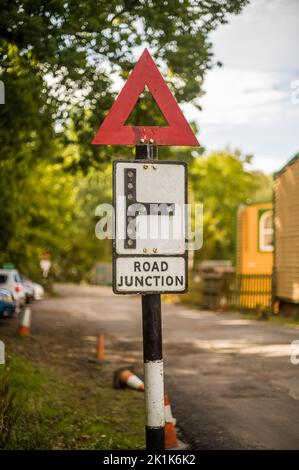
(222, 181)
(59, 61)
(71, 51)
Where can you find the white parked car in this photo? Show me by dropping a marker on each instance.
(29, 288)
(38, 291)
(10, 279)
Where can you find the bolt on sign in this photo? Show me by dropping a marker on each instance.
(149, 252)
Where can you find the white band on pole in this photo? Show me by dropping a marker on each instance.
(154, 395)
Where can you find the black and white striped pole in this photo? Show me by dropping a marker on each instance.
(152, 350)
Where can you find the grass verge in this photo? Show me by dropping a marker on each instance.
(39, 410)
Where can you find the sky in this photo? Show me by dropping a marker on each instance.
(252, 102)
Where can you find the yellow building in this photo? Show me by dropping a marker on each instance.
(255, 254)
(255, 239)
(286, 209)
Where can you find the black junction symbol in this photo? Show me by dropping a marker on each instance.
(134, 208)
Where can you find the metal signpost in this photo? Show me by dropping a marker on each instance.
(149, 255)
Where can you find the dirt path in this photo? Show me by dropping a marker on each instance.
(230, 380)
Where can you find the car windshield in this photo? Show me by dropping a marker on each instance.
(3, 279)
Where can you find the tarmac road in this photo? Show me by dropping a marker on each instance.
(230, 380)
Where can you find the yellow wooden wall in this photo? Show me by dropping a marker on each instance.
(287, 232)
(249, 259)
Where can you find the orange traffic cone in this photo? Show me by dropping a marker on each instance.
(100, 353)
(24, 324)
(125, 377)
(170, 433)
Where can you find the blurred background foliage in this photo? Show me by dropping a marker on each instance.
(60, 63)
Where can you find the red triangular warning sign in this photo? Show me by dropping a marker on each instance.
(113, 129)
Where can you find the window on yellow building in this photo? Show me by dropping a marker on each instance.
(266, 231)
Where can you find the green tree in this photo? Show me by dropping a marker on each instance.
(82, 248)
(58, 60)
(72, 49)
(222, 181)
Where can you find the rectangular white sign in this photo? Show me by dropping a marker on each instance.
(153, 274)
(150, 200)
